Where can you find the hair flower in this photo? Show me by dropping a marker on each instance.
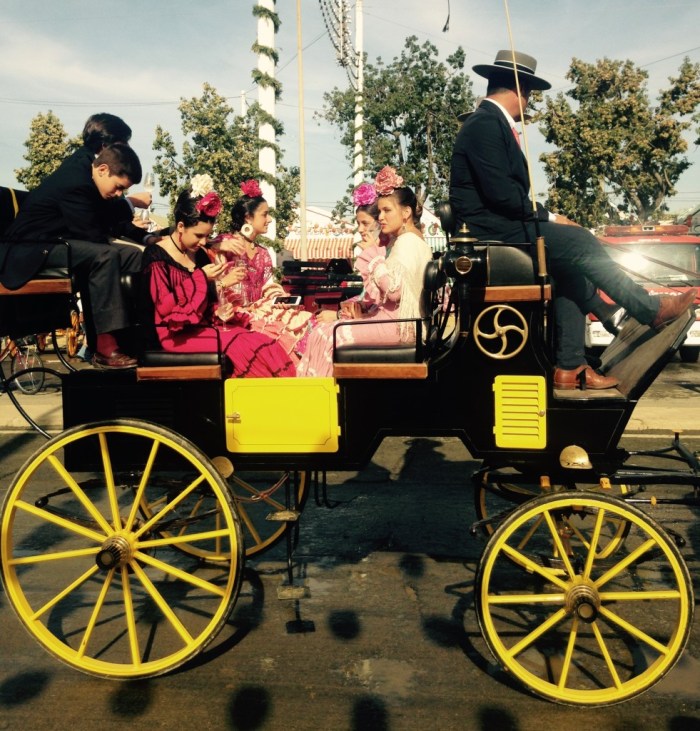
(210, 205)
(364, 195)
(387, 181)
(251, 188)
(200, 185)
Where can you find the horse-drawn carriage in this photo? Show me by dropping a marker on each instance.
(167, 476)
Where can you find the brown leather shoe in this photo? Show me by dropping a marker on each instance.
(116, 361)
(582, 377)
(672, 306)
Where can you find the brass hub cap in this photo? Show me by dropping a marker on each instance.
(584, 602)
(115, 552)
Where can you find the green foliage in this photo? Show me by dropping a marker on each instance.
(225, 145)
(410, 116)
(47, 146)
(617, 154)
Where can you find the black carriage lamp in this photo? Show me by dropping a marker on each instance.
(463, 260)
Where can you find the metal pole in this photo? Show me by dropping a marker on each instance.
(359, 161)
(302, 152)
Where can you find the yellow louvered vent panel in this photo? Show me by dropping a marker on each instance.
(520, 412)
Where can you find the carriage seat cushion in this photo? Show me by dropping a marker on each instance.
(376, 354)
(163, 358)
(509, 264)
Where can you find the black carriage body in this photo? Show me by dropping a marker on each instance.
(458, 397)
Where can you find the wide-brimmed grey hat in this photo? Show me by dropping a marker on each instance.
(524, 64)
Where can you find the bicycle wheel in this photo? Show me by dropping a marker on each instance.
(27, 357)
(101, 589)
(571, 626)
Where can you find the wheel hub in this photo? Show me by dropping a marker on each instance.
(583, 601)
(115, 552)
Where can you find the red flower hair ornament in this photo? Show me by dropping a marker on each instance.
(251, 188)
(210, 204)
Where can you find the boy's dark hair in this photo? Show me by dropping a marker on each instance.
(104, 129)
(121, 160)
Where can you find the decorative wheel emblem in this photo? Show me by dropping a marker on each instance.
(506, 326)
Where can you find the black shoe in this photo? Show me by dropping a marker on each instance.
(611, 316)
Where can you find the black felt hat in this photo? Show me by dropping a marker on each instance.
(524, 64)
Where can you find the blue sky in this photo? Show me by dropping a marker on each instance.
(138, 59)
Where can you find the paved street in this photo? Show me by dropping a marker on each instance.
(387, 638)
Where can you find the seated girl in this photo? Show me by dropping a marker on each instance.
(179, 284)
(393, 282)
(249, 282)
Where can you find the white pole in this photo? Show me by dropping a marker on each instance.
(302, 153)
(359, 162)
(267, 160)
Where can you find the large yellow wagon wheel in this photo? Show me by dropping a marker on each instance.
(260, 499)
(98, 586)
(571, 626)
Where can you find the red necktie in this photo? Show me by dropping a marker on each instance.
(516, 135)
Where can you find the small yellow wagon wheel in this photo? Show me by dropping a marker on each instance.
(573, 627)
(102, 589)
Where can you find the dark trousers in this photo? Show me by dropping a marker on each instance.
(579, 265)
(98, 268)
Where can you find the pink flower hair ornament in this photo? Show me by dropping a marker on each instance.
(210, 204)
(364, 195)
(251, 188)
(387, 181)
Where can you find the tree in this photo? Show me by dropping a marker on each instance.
(410, 116)
(617, 154)
(47, 146)
(225, 145)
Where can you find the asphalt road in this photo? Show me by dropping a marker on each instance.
(386, 639)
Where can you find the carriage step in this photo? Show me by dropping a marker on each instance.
(288, 591)
(284, 516)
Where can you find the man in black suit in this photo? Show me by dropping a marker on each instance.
(81, 202)
(489, 191)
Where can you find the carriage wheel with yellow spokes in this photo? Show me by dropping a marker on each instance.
(98, 586)
(570, 625)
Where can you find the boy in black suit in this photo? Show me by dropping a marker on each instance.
(81, 202)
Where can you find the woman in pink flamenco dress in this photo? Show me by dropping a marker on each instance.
(393, 283)
(180, 283)
(249, 282)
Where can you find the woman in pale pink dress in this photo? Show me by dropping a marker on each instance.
(249, 281)
(392, 283)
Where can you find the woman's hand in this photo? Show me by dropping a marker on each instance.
(235, 243)
(224, 312)
(327, 316)
(213, 271)
(234, 276)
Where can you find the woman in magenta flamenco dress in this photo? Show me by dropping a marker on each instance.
(181, 300)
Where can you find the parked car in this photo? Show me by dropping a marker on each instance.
(665, 260)
(691, 220)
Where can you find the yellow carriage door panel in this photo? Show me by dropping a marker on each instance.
(281, 415)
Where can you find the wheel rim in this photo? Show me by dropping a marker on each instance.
(94, 584)
(571, 625)
(27, 357)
